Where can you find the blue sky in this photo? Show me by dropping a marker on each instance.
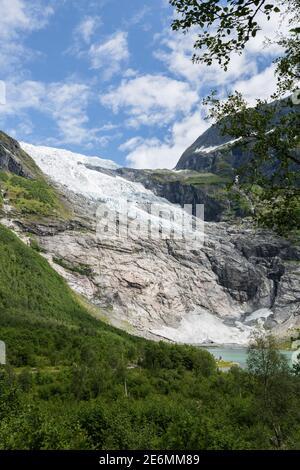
(110, 78)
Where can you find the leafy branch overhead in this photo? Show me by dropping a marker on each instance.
(269, 130)
(225, 27)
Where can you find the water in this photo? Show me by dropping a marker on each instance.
(238, 355)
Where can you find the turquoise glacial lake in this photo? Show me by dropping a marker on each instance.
(238, 355)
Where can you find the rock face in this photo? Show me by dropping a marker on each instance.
(221, 154)
(164, 287)
(14, 159)
(150, 287)
(178, 192)
(215, 153)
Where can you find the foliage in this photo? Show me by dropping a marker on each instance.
(279, 209)
(79, 268)
(31, 196)
(225, 28)
(275, 392)
(269, 130)
(73, 382)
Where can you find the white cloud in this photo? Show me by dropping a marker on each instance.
(139, 16)
(22, 96)
(65, 103)
(265, 41)
(261, 85)
(151, 99)
(18, 15)
(109, 55)
(87, 28)
(131, 144)
(14, 19)
(175, 50)
(158, 99)
(177, 58)
(153, 153)
(17, 18)
(129, 73)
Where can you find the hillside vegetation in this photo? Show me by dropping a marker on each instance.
(30, 196)
(23, 186)
(75, 382)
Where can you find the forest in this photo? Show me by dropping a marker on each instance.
(74, 382)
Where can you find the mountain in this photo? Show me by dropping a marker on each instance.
(74, 381)
(213, 152)
(15, 160)
(221, 154)
(190, 291)
(184, 187)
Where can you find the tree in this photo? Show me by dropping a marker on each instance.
(271, 176)
(296, 366)
(273, 387)
(270, 130)
(227, 27)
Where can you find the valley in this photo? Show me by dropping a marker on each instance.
(217, 290)
(101, 330)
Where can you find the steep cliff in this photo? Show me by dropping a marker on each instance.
(222, 154)
(203, 292)
(212, 289)
(15, 160)
(184, 187)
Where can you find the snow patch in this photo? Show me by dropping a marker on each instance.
(203, 328)
(259, 314)
(204, 149)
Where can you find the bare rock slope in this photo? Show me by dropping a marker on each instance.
(216, 291)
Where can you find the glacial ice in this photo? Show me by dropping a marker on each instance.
(203, 327)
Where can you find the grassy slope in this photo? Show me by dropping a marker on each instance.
(39, 314)
(31, 197)
(79, 383)
(190, 177)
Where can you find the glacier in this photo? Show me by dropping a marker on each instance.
(155, 290)
(82, 175)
